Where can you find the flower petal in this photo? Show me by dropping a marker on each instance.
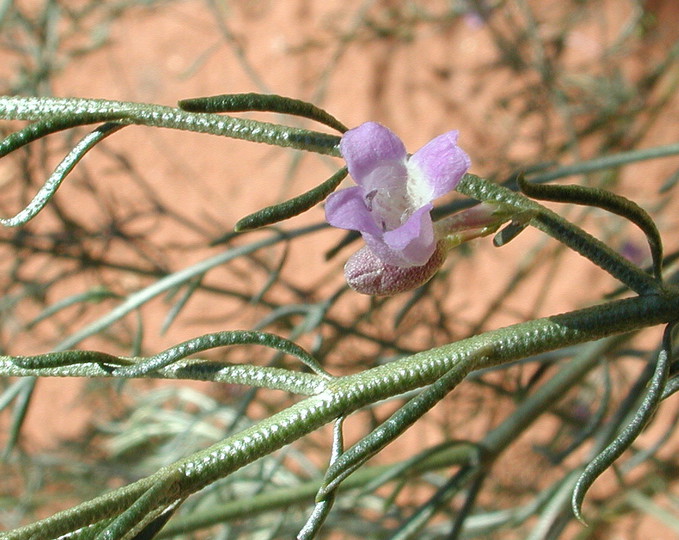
(367, 274)
(439, 165)
(346, 209)
(411, 244)
(369, 146)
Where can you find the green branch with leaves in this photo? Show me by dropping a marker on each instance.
(141, 508)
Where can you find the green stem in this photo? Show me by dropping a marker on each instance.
(565, 232)
(93, 364)
(344, 395)
(605, 200)
(88, 111)
(608, 162)
(491, 446)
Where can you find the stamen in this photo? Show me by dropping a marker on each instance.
(369, 199)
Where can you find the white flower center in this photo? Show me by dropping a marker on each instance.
(418, 187)
(390, 207)
(392, 198)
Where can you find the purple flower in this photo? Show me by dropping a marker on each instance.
(390, 205)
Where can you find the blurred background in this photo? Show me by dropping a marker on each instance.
(529, 84)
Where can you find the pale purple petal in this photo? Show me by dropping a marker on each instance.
(392, 176)
(369, 146)
(441, 162)
(414, 240)
(392, 188)
(411, 244)
(346, 209)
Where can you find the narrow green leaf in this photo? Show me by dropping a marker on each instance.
(23, 401)
(94, 295)
(220, 339)
(50, 125)
(322, 508)
(605, 200)
(291, 207)
(155, 502)
(261, 102)
(508, 233)
(624, 440)
(564, 231)
(390, 429)
(608, 162)
(66, 358)
(62, 170)
(177, 307)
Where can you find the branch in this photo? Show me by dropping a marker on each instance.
(341, 396)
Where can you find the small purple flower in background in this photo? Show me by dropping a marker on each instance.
(633, 252)
(391, 204)
(476, 13)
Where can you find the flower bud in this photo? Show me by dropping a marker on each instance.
(367, 274)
